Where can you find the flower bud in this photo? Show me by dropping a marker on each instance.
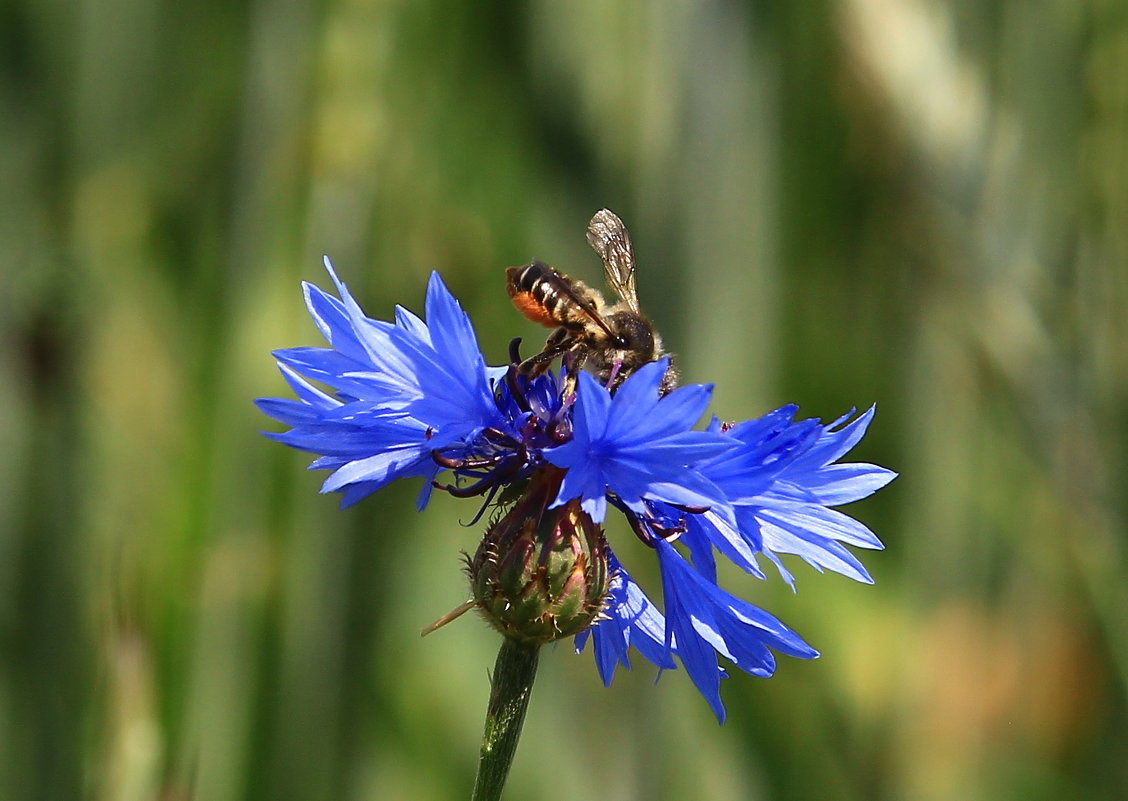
(541, 574)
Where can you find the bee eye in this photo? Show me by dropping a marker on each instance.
(632, 332)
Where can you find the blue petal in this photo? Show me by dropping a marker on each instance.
(728, 538)
(838, 484)
(705, 620)
(780, 484)
(834, 444)
(403, 389)
(453, 335)
(783, 534)
(824, 523)
(639, 446)
(700, 546)
(591, 411)
(630, 619)
(290, 412)
(412, 325)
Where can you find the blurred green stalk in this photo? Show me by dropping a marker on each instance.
(510, 688)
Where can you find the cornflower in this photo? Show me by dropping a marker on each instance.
(552, 459)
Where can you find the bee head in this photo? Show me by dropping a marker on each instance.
(633, 334)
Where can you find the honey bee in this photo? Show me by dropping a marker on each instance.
(612, 340)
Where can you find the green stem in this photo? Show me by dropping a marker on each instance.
(513, 676)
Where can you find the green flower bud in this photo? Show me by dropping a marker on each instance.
(541, 574)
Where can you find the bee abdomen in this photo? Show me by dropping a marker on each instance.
(533, 291)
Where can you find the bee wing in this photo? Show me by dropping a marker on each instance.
(610, 240)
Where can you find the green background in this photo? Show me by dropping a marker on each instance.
(917, 203)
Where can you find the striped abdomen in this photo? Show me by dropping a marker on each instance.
(548, 298)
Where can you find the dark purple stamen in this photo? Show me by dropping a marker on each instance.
(485, 505)
(477, 488)
(640, 528)
(515, 351)
(498, 437)
(466, 464)
(516, 391)
(690, 510)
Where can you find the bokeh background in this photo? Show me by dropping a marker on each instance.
(918, 203)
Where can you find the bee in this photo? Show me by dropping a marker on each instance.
(612, 340)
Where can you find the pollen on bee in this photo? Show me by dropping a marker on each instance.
(533, 309)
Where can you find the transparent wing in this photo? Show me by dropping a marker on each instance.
(610, 240)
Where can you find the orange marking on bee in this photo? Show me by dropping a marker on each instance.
(533, 309)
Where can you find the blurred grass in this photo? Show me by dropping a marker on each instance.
(917, 203)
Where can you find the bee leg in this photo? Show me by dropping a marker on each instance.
(670, 379)
(561, 337)
(568, 388)
(535, 365)
(571, 364)
(558, 342)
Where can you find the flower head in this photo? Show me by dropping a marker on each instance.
(415, 398)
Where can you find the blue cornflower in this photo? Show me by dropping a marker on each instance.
(416, 398)
(403, 390)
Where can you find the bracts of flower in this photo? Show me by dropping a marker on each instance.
(552, 458)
